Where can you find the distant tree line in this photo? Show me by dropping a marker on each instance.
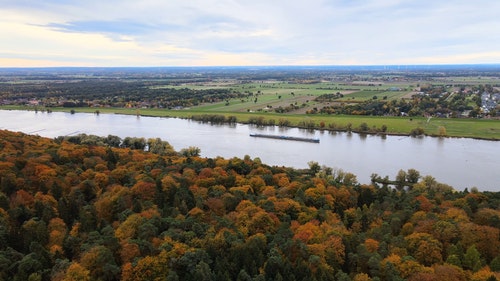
(113, 93)
(214, 118)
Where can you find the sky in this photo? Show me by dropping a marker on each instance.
(109, 33)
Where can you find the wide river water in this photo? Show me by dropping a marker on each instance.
(459, 162)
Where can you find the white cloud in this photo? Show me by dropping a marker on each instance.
(244, 32)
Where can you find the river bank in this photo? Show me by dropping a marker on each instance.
(400, 126)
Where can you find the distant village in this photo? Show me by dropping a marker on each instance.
(489, 102)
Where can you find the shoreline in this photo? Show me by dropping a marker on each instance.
(189, 115)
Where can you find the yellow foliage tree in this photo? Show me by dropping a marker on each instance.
(76, 272)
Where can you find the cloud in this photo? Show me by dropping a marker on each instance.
(120, 27)
(257, 32)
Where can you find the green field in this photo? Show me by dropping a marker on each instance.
(370, 94)
(267, 96)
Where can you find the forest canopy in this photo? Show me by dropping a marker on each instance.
(105, 209)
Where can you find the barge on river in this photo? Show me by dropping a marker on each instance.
(285, 138)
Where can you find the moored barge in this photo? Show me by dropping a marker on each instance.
(285, 138)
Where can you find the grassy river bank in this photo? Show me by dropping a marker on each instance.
(441, 127)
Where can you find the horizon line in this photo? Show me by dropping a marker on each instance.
(264, 66)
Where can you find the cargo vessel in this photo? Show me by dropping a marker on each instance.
(285, 138)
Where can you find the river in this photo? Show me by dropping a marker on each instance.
(459, 162)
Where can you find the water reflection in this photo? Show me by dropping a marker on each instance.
(440, 141)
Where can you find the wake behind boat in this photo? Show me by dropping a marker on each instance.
(285, 138)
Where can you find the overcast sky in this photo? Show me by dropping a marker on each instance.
(248, 32)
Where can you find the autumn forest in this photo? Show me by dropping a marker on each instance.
(89, 210)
